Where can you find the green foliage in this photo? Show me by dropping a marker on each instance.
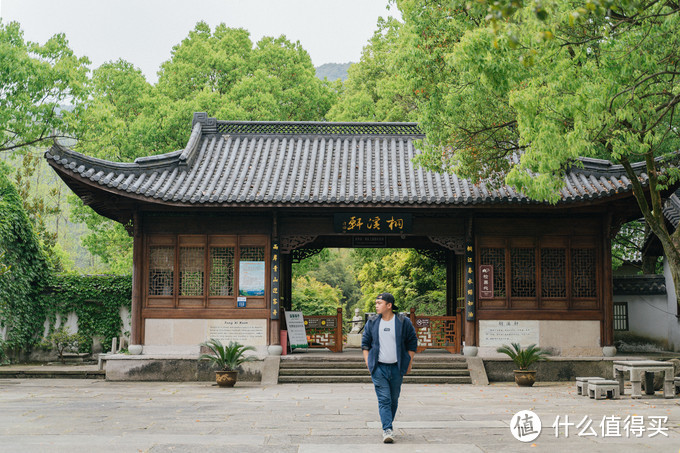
(523, 357)
(313, 298)
(35, 80)
(4, 357)
(227, 358)
(3, 267)
(95, 299)
(65, 341)
(22, 312)
(375, 89)
(414, 280)
(38, 207)
(106, 239)
(568, 79)
(336, 268)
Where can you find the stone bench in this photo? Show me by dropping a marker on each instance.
(602, 389)
(676, 382)
(582, 384)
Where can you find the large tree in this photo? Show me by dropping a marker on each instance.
(375, 89)
(36, 83)
(571, 79)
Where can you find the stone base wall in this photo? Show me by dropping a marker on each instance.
(167, 368)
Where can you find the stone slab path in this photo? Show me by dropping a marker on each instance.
(65, 415)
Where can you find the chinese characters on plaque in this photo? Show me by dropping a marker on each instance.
(276, 270)
(373, 223)
(486, 281)
(469, 283)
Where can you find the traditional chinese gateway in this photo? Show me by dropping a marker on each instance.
(218, 224)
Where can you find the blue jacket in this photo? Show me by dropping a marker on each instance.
(404, 333)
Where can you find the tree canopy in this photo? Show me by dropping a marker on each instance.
(220, 72)
(35, 82)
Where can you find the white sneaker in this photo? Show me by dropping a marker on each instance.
(388, 436)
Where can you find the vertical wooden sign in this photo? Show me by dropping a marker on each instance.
(469, 282)
(275, 273)
(486, 281)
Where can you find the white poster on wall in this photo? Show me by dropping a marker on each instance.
(251, 278)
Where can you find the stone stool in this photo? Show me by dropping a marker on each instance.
(600, 389)
(582, 384)
(676, 382)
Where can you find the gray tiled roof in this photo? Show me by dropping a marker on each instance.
(286, 163)
(671, 209)
(639, 285)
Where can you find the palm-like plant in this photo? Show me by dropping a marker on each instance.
(227, 358)
(523, 357)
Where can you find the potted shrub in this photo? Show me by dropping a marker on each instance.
(524, 358)
(226, 359)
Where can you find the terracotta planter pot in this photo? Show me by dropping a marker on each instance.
(226, 378)
(525, 378)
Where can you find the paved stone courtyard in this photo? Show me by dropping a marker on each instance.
(63, 415)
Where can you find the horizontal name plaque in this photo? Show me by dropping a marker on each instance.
(372, 223)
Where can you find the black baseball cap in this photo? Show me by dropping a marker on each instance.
(389, 298)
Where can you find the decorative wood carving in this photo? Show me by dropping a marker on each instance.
(455, 243)
(290, 243)
(438, 255)
(300, 254)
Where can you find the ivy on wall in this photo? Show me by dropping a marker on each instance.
(95, 299)
(22, 311)
(30, 291)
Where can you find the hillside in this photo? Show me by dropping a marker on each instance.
(333, 71)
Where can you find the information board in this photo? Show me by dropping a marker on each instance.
(249, 332)
(297, 335)
(499, 333)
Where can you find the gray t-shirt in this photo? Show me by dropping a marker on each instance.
(388, 341)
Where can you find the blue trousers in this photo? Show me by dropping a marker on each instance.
(387, 382)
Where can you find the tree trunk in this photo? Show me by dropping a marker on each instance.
(674, 266)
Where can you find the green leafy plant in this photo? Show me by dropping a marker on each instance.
(65, 341)
(523, 357)
(95, 299)
(227, 358)
(4, 360)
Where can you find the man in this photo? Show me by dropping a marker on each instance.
(389, 344)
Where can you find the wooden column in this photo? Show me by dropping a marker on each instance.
(451, 283)
(470, 326)
(136, 327)
(607, 283)
(286, 280)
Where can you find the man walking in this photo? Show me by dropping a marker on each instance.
(389, 344)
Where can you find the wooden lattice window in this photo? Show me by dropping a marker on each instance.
(161, 270)
(554, 272)
(495, 256)
(222, 271)
(621, 316)
(191, 271)
(523, 271)
(252, 253)
(583, 272)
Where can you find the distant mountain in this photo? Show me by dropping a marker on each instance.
(333, 71)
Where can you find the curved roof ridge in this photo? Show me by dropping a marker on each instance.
(332, 129)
